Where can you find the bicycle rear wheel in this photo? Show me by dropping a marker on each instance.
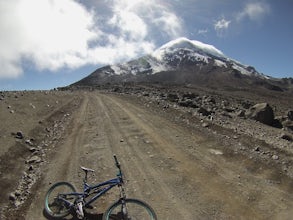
(136, 210)
(56, 207)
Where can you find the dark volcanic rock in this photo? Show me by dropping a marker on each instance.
(290, 115)
(172, 97)
(287, 137)
(288, 124)
(187, 103)
(261, 112)
(19, 135)
(203, 111)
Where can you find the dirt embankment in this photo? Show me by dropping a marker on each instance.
(183, 170)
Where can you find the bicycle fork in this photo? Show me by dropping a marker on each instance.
(124, 210)
(79, 208)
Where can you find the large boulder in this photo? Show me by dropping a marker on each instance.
(288, 124)
(290, 115)
(261, 112)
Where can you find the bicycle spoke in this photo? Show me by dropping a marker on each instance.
(55, 204)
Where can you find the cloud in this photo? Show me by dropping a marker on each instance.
(202, 31)
(148, 14)
(221, 26)
(55, 34)
(255, 11)
(50, 34)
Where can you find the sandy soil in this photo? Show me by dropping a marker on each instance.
(182, 171)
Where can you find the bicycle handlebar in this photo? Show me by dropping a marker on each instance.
(119, 168)
(116, 161)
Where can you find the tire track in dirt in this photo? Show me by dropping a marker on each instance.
(63, 166)
(166, 150)
(146, 179)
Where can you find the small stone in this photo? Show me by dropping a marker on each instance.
(275, 157)
(205, 125)
(31, 168)
(17, 193)
(286, 137)
(34, 159)
(29, 142)
(241, 113)
(17, 203)
(121, 140)
(290, 115)
(33, 149)
(12, 197)
(19, 135)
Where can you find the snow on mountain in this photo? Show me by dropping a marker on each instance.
(198, 51)
(184, 61)
(176, 54)
(184, 43)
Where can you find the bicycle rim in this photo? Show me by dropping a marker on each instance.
(136, 210)
(56, 207)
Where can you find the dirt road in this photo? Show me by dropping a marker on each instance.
(182, 173)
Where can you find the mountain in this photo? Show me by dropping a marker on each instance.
(184, 61)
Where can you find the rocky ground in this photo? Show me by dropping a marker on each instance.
(199, 153)
(31, 123)
(268, 118)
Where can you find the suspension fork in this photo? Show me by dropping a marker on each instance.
(124, 210)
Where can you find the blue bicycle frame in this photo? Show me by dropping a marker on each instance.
(109, 184)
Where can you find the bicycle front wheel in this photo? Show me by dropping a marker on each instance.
(54, 205)
(134, 209)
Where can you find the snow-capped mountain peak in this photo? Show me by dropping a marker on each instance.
(182, 49)
(186, 44)
(181, 61)
(180, 55)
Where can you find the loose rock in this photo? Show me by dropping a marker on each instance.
(34, 159)
(261, 112)
(275, 157)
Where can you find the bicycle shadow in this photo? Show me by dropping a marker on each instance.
(88, 216)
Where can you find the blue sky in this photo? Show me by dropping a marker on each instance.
(51, 43)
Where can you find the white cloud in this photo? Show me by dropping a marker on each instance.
(142, 14)
(53, 34)
(169, 23)
(221, 26)
(255, 11)
(202, 31)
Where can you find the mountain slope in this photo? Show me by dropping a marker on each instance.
(184, 61)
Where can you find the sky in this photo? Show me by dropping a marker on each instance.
(46, 44)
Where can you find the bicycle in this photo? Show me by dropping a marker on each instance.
(62, 198)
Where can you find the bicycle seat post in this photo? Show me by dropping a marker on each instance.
(86, 170)
(85, 177)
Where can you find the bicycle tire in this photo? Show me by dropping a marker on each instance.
(53, 207)
(136, 209)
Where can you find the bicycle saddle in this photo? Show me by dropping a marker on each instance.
(87, 169)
